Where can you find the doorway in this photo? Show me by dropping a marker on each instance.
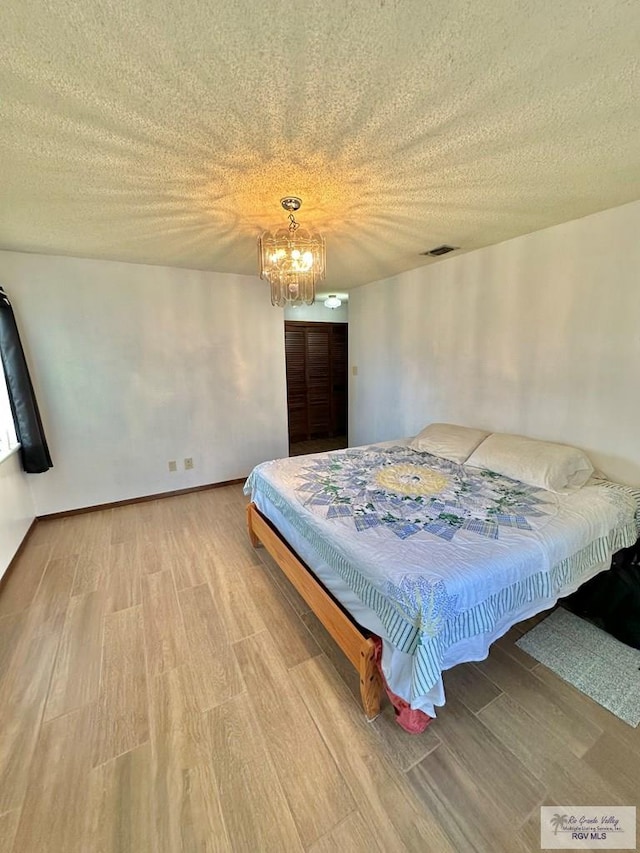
(316, 364)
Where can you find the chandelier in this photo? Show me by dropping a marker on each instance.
(292, 260)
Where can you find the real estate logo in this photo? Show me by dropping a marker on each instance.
(588, 827)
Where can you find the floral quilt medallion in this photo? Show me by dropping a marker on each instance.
(410, 493)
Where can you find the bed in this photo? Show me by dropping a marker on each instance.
(436, 556)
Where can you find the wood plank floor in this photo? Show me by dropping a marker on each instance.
(318, 445)
(163, 688)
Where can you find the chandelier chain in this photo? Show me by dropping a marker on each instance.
(293, 225)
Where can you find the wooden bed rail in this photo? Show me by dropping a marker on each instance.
(358, 648)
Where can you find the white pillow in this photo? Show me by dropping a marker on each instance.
(449, 441)
(555, 467)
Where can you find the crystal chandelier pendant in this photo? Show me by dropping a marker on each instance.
(292, 260)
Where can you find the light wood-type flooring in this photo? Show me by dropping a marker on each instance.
(162, 688)
(318, 445)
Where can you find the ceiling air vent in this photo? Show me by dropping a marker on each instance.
(440, 250)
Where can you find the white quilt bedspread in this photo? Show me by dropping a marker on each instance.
(438, 558)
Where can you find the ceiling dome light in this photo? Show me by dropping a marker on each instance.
(292, 260)
(332, 301)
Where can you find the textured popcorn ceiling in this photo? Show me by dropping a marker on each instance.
(166, 132)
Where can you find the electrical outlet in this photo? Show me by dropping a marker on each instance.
(188, 464)
(172, 465)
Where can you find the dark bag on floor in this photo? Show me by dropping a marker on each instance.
(611, 600)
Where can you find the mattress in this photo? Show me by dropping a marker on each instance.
(438, 559)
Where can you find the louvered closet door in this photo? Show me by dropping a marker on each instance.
(318, 381)
(339, 379)
(295, 350)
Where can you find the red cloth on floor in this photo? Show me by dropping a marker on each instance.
(411, 721)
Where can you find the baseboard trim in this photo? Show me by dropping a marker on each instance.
(139, 500)
(15, 557)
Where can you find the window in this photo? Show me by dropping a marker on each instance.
(8, 438)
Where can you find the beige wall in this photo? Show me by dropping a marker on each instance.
(16, 508)
(135, 365)
(539, 335)
(317, 313)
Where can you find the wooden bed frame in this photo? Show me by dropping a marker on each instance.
(358, 647)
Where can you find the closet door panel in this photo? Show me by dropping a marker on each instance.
(295, 351)
(339, 398)
(316, 356)
(318, 381)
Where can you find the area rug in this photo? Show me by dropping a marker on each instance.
(591, 660)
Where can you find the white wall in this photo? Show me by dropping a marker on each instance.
(16, 508)
(539, 335)
(136, 365)
(317, 313)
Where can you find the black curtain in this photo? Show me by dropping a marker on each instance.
(35, 453)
